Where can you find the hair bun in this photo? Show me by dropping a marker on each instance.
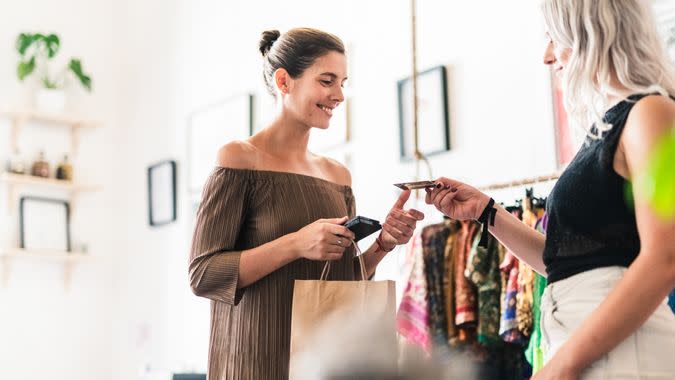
(267, 40)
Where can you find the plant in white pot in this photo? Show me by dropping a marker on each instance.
(36, 50)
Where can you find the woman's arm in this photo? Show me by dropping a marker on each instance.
(463, 202)
(317, 241)
(526, 243)
(651, 276)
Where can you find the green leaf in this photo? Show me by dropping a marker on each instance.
(52, 43)
(24, 69)
(23, 42)
(76, 67)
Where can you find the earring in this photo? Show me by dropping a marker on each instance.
(284, 89)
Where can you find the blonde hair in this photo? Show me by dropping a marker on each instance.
(610, 39)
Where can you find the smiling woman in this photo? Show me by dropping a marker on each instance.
(272, 212)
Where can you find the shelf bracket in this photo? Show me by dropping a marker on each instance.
(11, 192)
(67, 275)
(75, 136)
(17, 122)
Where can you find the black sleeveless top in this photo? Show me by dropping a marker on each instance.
(591, 217)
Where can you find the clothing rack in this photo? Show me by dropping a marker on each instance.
(521, 182)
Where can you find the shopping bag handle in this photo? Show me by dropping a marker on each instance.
(362, 265)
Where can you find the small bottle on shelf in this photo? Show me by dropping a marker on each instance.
(41, 166)
(65, 170)
(16, 165)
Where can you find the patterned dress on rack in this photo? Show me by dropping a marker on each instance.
(412, 319)
(534, 352)
(465, 292)
(434, 238)
(483, 271)
(451, 248)
(525, 297)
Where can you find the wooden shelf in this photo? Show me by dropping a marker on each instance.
(23, 179)
(15, 180)
(45, 254)
(73, 121)
(75, 124)
(68, 259)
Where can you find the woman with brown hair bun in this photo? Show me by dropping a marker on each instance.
(272, 212)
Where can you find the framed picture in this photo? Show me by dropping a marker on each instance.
(162, 193)
(564, 146)
(432, 103)
(44, 224)
(209, 128)
(338, 133)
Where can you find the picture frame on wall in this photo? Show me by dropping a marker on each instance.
(162, 193)
(44, 224)
(564, 141)
(209, 128)
(433, 114)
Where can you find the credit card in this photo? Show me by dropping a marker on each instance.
(415, 185)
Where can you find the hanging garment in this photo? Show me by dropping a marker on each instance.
(482, 270)
(534, 352)
(451, 248)
(434, 238)
(525, 297)
(412, 319)
(465, 292)
(508, 328)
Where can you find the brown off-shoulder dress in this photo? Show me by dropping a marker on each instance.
(242, 209)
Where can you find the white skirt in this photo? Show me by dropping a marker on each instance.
(649, 353)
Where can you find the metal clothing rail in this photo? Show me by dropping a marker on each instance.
(521, 182)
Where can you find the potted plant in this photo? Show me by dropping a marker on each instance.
(36, 50)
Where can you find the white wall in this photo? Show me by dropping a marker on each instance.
(155, 61)
(46, 332)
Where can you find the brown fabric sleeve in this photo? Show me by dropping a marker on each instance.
(214, 261)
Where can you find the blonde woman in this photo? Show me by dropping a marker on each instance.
(610, 263)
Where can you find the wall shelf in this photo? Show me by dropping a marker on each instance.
(22, 179)
(74, 122)
(15, 180)
(68, 259)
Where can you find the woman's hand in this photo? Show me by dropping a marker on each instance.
(400, 224)
(325, 239)
(457, 200)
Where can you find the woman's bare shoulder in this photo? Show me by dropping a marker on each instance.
(237, 155)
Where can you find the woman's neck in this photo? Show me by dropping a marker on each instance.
(286, 138)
